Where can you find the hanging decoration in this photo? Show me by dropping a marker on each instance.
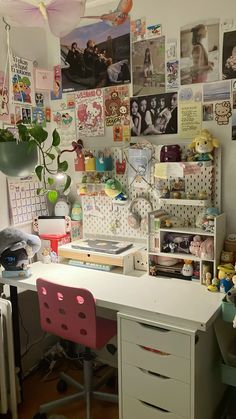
(119, 16)
(62, 16)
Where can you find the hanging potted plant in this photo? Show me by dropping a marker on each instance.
(29, 150)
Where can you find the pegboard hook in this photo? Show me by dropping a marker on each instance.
(7, 26)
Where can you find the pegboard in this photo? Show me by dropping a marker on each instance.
(103, 218)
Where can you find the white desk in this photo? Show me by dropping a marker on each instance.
(177, 308)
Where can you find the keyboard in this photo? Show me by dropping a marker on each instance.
(90, 265)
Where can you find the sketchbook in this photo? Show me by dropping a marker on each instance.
(104, 246)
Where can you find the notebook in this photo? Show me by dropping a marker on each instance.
(104, 246)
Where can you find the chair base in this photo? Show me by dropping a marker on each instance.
(86, 391)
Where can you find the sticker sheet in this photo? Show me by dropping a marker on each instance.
(90, 113)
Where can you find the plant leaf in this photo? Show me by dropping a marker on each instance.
(23, 132)
(68, 183)
(38, 133)
(63, 166)
(39, 171)
(55, 138)
(31, 146)
(51, 181)
(51, 156)
(52, 195)
(39, 191)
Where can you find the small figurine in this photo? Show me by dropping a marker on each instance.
(208, 278)
(214, 287)
(202, 195)
(153, 270)
(165, 193)
(46, 258)
(176, 195)
(195, 245)
(204, 144)
(187, 269)
(226, 257)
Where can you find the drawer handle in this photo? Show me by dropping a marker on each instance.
(155, 351)
(162, 377)
(159, 329)
(154, 407)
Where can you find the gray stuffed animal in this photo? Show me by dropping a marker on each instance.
(13, 239)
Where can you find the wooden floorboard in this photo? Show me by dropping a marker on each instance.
(37, 392)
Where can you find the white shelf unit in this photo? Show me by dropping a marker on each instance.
(156, 239)
(186, 202)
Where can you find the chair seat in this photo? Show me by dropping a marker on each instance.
(106, 329)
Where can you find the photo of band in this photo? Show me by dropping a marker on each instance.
(154, 114)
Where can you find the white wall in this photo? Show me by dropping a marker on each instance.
(172, 15)
(40, 45)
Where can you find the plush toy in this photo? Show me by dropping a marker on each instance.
(195, 245)
(187, 269)
(206, 251)
(204, 144)
(17, 247)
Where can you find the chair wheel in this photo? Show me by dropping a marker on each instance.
(40, 416)
(62, 386)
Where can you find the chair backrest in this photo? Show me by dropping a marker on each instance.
(67, 312)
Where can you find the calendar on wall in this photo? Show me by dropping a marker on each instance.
(24, 203)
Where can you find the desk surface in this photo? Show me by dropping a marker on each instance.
(186, 302)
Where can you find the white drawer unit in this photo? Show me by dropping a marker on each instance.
(156, 361)
(161, 339)
(167, 393)
(138, 409)
(166, 371)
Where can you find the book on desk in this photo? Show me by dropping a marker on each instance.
(103, 246)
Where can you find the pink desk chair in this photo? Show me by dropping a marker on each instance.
(70, 313)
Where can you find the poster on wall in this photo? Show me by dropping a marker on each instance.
(90, 113)
(56, 93)
(116, 101)
(229, 55)
(96, 55)
(4, 99)
(154, 114)
(22, 81)
(43, 79)
(190, 111)
(172, 75)
(138, 29)
(153, 30)
(148, 63)
(199, 52)
(234, 110)
(218, 96)
(65, 125)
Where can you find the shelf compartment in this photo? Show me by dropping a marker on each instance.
(187, 256)
(190, 230)
(186, 202)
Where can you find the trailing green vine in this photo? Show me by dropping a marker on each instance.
(49, 157)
